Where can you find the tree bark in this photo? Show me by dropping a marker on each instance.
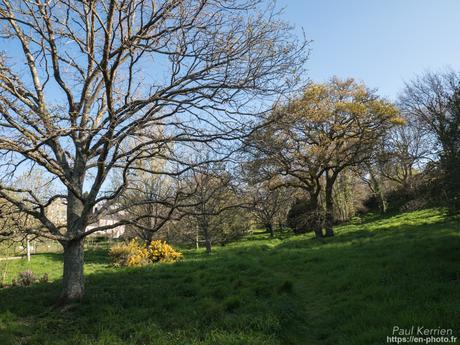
(73, 278)
(269, 228)
(382, 201)
(73, 281)
(315, 214)
(329, 221)
(378, 190)
(207, 244)
(207, 240)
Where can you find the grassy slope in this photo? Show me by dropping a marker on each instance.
(352, 289)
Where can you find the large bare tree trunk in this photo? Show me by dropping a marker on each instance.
(73, 281)
(106, 120)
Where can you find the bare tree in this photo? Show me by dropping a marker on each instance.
(100, 72)
(151, 201)
(397, 158)
(270, 201)
(370, 173)
(212, 201)
(18, 226)
(432, 101)
(403, 154)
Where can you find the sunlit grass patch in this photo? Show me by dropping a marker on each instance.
(350, 289)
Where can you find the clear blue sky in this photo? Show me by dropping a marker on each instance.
(380, 42)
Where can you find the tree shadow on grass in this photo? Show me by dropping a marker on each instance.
(292, 293)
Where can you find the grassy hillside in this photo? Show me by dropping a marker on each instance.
(352, 289)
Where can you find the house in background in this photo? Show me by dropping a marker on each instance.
(107, 220)
(57, 213)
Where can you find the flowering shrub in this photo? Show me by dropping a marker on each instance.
(129, 254)
(135, 254)
(161, 251)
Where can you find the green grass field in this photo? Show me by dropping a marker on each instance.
(348, 290)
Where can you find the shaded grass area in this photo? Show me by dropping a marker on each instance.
(352, 289)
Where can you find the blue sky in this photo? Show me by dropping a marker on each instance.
(380, 42)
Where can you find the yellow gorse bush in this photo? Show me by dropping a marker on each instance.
(161, 251)
(134, 253)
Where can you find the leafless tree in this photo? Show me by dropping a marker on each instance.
(270, 201)
(87, 76)
(432, 102)
(17, 226)
(152, 201)
(402, 153)
(397, 158)
(212, 202)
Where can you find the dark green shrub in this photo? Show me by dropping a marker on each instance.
(303, 216)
